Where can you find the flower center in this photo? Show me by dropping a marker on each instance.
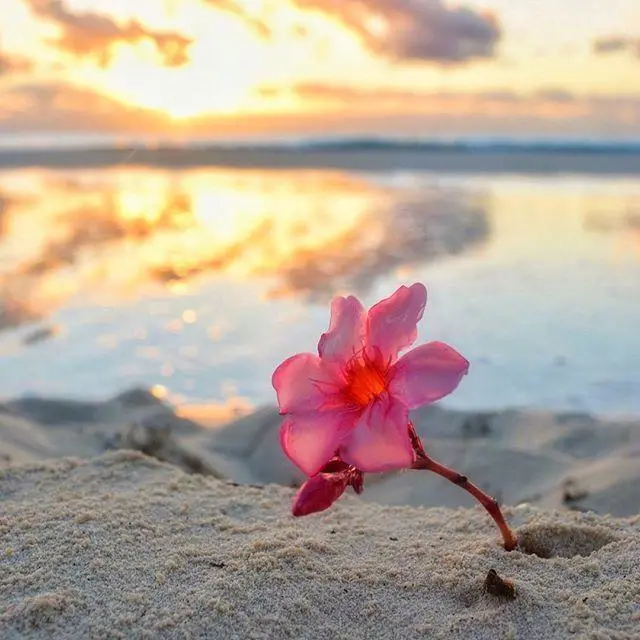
(366, 379)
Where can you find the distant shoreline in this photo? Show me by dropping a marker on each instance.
(372, 157)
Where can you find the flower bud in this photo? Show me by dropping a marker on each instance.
(319, 492)
(356, 480)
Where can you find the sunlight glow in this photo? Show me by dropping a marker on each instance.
(221, 77)
(247, 57)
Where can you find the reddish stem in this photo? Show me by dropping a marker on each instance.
(490, 504)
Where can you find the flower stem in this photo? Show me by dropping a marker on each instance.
(423, 461)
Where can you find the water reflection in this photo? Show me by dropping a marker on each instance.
(106, 233)
(3, 210)
(198, 282)
(611, 222)
(621, 223)
(396, 235)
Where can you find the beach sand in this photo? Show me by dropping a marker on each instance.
(123, 545)
(547, 459)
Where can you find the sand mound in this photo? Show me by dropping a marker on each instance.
(125, 546)
(564, 461)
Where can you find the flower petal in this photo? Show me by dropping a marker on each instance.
(311, 440)
(380, 439)
(346, 330)
(391, 324)
(426, 374)
(305, 383)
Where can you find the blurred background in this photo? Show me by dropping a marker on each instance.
(185, 184)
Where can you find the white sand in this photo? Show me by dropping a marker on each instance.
(123, 546)
(550, 460)
(518, 456)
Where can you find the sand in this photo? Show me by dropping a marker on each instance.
(114, 543)
(123, 546)
(555, 461)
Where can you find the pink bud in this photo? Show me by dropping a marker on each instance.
(319, 493)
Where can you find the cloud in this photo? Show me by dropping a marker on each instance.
(356, 109)
(64, 107)
(339, 109)
(414, 29)
(402, 99)
(407, 100)
(13, 64)
(617, 44)
(555, 95)
(381, 97)
(258, 23)
(92, 35)
(407, 30)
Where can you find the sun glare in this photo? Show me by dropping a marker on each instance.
(221, 76)
(182, 93)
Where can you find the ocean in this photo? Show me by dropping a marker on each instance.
(195, 271)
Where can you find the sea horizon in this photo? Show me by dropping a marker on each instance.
(45, 141)
(481, 154)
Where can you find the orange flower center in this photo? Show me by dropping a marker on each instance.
(366, 379)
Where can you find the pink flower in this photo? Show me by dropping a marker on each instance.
(353, 399)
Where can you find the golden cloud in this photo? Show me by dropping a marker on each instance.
(65, 107)
(617, 44)
(93, 35)
(335, 108)
(13, 64)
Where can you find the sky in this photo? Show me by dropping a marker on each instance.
(265, 68)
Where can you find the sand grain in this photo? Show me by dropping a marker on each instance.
(125, 546)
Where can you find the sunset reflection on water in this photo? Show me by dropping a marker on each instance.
(107, 233)
(197, 281)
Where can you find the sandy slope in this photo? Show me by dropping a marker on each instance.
(550, 460)
(125, 546)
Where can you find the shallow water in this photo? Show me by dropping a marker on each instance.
(201, 281)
